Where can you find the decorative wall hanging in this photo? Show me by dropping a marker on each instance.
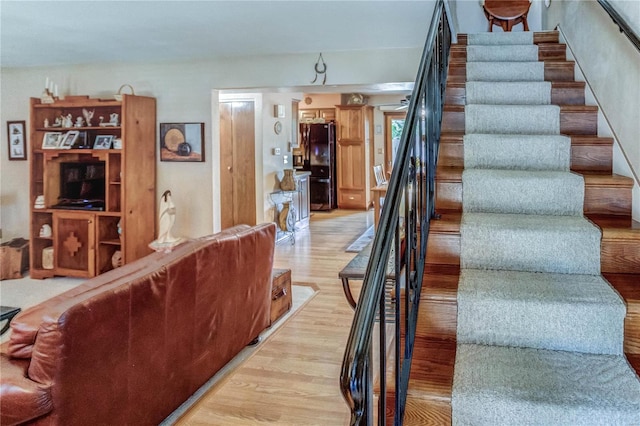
(17, 140)
(321, 68)
(181, 141)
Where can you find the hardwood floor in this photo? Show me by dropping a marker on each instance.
(294, 378)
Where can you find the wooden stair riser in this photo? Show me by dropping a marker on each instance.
(538, 38)
(562, 93)
(620, 255)
(437, 319)
(546, 52)
(587, 154)
(553, 71)
(574, 120)
(613, 199)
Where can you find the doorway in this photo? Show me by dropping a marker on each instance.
(237, 164)
(393, 125)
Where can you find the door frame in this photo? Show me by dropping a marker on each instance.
(227, 96)
(388, 117)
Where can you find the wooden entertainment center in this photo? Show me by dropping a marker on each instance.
(97, 198)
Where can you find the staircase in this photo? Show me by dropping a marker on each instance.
(607, 203)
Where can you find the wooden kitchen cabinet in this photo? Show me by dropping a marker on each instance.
(353, 141)
(95, 199)
(301, 200)
(308, 115)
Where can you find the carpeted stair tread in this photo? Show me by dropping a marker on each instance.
(533, 243)
(512, 119)
(505, 71)
(505, 385)
(504, 38)
(567, 312)
(522, 192)
(500, 53)
(508, 93)
(487, 151)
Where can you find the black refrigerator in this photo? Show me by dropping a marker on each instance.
(319, 147)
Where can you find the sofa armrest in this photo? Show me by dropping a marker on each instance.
(21, 399)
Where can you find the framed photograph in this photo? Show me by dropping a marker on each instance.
(17, 140)
(69, 139)
(181, 141)
(82, 140)
(103, 142)
(51, 140)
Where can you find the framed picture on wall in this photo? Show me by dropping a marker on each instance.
(17, 140)
(181, 141)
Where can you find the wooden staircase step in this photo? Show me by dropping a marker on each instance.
(546, 52)
(620, 253)
(604, 194)
(628, 285)
(607, 194)
(620, 246)
(562, 93)
(553, 71)
(591, 154)
(574, 119)
(538, 37)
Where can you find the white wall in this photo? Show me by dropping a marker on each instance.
(611, 66)
(184, 93)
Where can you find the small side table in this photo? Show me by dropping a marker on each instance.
(286, 226)
(6, 314)
(507, 13)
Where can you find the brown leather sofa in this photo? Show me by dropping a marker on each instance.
(130, 346)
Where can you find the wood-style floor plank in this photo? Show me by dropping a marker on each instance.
(293, 378)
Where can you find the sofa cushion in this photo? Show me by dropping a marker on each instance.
(22, 399)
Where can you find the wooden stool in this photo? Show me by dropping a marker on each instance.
(507, 13)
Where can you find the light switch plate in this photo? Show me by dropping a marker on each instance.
(378, 129)
(276, 151)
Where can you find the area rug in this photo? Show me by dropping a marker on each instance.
(362, 241)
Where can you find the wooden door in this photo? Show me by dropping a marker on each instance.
(237, 164)
(74, 243)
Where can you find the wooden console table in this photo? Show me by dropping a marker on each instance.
(507, 13)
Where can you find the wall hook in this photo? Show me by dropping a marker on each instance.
(321, 68)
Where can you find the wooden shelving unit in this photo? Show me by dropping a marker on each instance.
(84, 238)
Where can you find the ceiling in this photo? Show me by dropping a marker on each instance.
(49, 33)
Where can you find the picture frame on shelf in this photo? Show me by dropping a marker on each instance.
(16, 140)
(103, 142)
(82, 141)
(51, 140)
(69, 139)
(182, 142)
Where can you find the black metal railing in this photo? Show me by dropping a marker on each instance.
(621, 23)
(409, 205)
